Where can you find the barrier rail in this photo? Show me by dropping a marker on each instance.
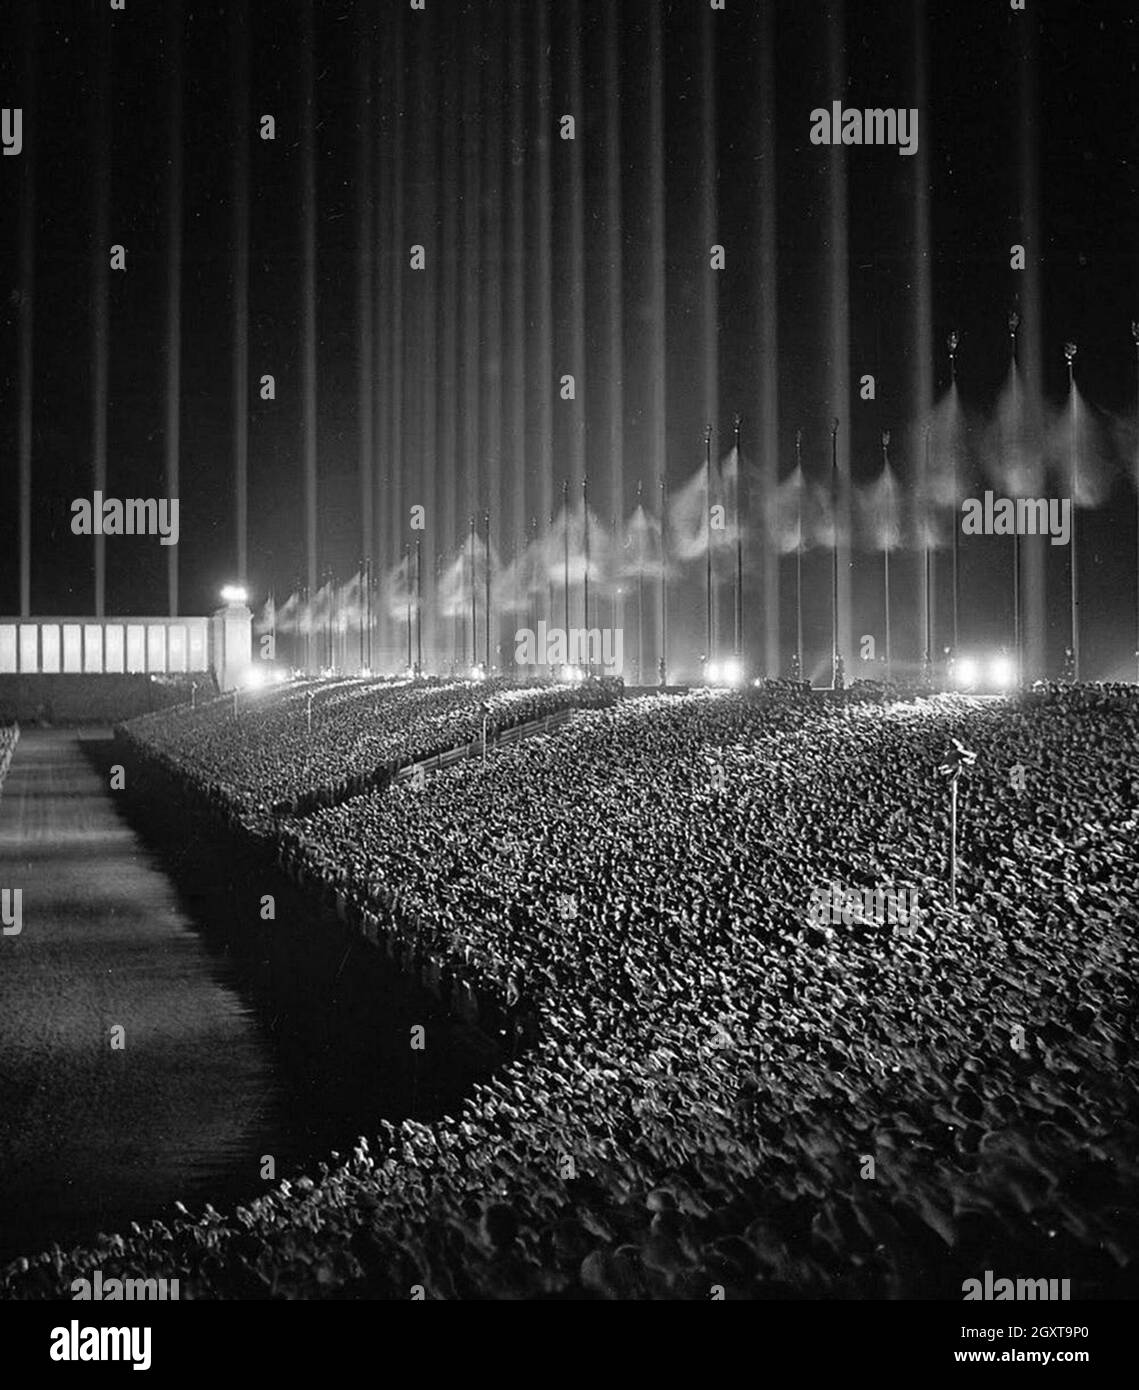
(477, 747)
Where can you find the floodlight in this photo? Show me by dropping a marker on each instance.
(965, 672)
(1002, 672)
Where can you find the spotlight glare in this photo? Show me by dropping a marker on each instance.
(1002, 672)
(965, 673)
(234, 593)
(731, 673)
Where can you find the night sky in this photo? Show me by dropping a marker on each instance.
(545, 257)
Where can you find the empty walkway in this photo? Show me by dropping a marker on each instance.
(92, 1136)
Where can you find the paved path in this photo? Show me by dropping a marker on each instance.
(91, 1137)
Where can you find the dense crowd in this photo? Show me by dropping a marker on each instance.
(719, 1092)
(288, 749)
(9, 737)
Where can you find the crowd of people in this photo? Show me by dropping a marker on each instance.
(715, 1094)
(9, 737)
(284, 750)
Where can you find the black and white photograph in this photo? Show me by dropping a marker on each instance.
(569, 670)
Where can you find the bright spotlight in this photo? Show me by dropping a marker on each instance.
(477, 673)
(965, 672)
(731, 673)
(234, 593)
(712, 672)
(1002, 673)
(255, 678)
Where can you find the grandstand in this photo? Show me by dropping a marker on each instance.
(98, 670)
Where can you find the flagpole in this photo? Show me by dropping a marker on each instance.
(532, 596)
(1135, 336)
(418, 607)
(331, 606)
(928, 567)
(370, 599)
(474, 627)
(407, 585)
(799, 552)
(306, 624)
(953, 341)
(886, 548)
(619, 603)
(486, 577)
(708, 550)
(641, 596)
(272, 601)
(549, 572)
(663, 583)
(1013, 324)
(1073, 553)
(360, 615)
(566, 548)
(737, 425)
(834, 558)
(585, 581)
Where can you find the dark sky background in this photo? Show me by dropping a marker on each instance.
(434, 126)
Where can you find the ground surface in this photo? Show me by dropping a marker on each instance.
(91, 1137)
